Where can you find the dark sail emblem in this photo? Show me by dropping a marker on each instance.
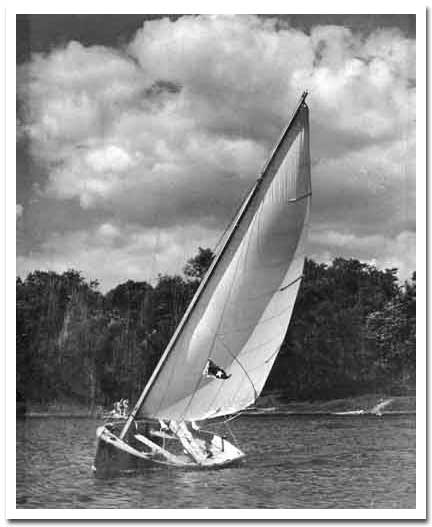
(213, 370)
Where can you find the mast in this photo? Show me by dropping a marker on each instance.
(210, 272)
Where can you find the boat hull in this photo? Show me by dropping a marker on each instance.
(148, 448)
(112, 460)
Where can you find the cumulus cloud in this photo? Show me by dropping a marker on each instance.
(367, 190)
(113, 254)
(108, 231)
(110, 157)
(172, 129)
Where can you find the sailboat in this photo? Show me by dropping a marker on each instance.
(218, 359)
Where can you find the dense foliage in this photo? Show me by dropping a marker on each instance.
(352, 331)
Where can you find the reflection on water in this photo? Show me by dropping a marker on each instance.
(292, 462)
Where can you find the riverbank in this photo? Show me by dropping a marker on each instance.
(61, 410)
(361, 403)
(270, 404)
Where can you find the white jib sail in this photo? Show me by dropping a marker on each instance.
(242, 314)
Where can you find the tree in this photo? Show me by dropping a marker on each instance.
(327, 351)
(352, 330)
(197, 266)
(392, 333)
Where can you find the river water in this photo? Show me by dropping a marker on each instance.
(292, 462)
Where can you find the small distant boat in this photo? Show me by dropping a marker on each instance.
(376, 410)
(350, 412)
(221, 354)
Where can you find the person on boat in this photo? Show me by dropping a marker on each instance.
(163, 425)
(117, 408)
(125, 407)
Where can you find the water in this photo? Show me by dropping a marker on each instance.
(292, 462)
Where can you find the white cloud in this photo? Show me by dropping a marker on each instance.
(75, 92)
(110, 157)
(171, 130)
(108, 231)
(114, 254)
(368, 190)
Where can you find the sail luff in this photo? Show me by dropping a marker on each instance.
(210, 272)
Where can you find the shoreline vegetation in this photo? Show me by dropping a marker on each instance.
(269, 404)
(352, 333)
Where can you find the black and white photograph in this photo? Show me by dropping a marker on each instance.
(215, 267)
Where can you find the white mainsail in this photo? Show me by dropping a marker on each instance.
(240, 315)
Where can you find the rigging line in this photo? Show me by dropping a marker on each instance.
(170, 377)
(155, 253)
(277, 350)
(171, 374)
(240, 364)
(234, 416)
(173, 366)
(232, 434)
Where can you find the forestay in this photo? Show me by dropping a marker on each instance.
(241, 314)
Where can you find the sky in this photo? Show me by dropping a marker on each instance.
(138, 136)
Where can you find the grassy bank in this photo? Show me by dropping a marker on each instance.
(346, 404)
(61, 409)
(272, 401)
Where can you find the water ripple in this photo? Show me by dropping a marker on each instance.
(292, 462)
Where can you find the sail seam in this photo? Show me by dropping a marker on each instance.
(257, 324)
(261, 344)
(273, 354)
(300, 198)
(291, 283)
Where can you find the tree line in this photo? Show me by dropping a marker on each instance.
(352, 331)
